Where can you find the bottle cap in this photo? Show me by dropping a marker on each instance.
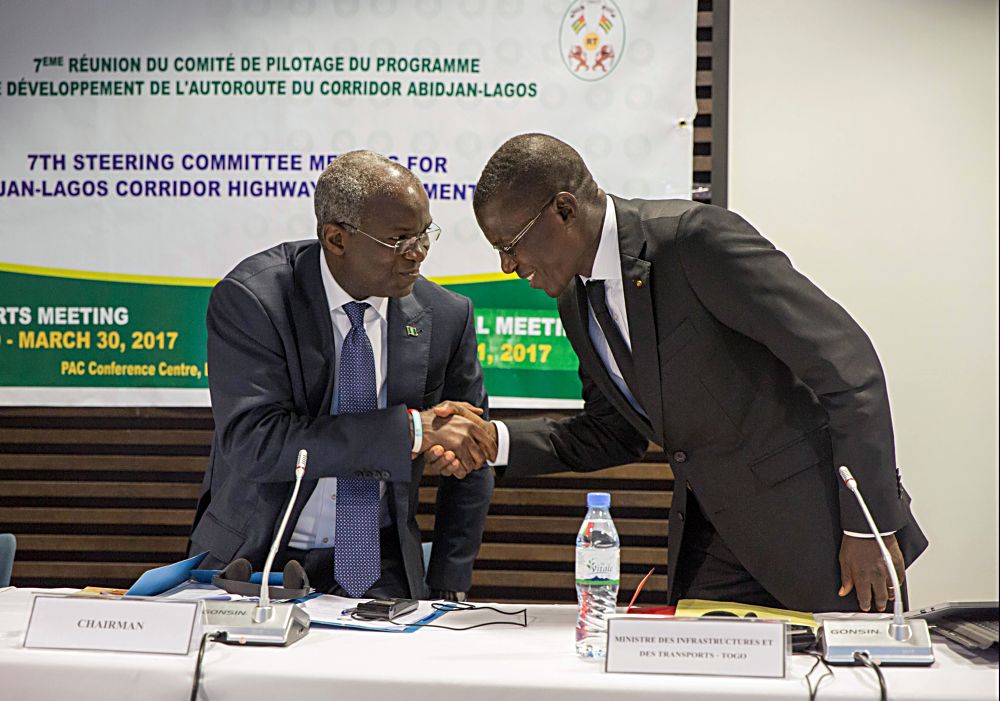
(598, 500)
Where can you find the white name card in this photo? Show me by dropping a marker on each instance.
(714, 646)
(122, 625)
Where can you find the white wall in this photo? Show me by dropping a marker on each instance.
(863, 142)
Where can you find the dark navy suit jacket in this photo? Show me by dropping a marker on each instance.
(271, 376)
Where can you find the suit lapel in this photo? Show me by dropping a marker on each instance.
(574, 311)
(636, 279)
(314, 331)
(408, 338)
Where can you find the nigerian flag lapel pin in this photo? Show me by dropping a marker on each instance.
(412, 331)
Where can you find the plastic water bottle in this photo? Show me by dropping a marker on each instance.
(597, 567)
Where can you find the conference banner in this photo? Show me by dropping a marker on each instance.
(148, 147)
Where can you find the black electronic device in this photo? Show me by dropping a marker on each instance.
(385, 609)
(972, 624)
(802, 637)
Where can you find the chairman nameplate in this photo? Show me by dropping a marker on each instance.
(123, 625)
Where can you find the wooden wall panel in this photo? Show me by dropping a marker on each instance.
(98, 496)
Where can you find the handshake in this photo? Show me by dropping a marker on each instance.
(456, 439)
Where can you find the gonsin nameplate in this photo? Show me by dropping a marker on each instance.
(123, 625)
(739, 647)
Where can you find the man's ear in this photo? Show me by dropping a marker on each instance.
(333, 239)
(566, 205)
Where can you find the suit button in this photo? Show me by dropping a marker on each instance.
(680, 456)
(385, 474)
(358, 473)
(680, 516)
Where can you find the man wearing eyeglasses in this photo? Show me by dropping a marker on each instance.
(340, 347)
(695, 333)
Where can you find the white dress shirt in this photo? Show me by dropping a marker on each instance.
(608, 267)
(316, 526)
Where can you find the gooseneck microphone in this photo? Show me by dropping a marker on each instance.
(264, 610)
(852, 641)
(261, 622)
(899, 629)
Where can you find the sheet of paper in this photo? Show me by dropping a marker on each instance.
(695, 608)
(852, 615)
(197, 591)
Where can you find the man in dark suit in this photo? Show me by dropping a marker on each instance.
(695, 333)
(340, 347)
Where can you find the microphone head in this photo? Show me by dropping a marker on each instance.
(846, 475)
(300, 462)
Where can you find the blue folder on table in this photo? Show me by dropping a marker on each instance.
(160, 579)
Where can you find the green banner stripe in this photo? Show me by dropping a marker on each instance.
(63, 331)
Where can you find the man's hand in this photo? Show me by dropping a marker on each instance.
(863, 570)
(456, 440)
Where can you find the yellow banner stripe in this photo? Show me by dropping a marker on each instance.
(202, 281)
(108, 277)
(471, 279)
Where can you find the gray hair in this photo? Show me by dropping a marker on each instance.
(351, 181)
(533, 166)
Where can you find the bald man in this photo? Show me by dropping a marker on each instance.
(339, 346)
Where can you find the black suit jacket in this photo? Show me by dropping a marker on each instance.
(271, 377)
(756, 384)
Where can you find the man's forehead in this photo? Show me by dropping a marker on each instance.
(501, 219)
(397, 206)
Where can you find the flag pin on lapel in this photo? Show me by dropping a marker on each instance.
(412, 331)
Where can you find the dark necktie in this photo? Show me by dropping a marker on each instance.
(357, 557)
(619, 349)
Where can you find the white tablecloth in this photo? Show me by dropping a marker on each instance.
(486, 664)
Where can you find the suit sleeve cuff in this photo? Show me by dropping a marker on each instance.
(503, 445)
(868, 535)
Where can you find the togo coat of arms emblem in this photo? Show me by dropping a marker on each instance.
(592, 38)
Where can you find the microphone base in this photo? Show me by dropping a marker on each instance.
(287, 624)
(840, 639)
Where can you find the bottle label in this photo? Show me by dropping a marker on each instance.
(597, 566)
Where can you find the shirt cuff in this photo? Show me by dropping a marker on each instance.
(503, 445)
(417, 424)
(868, 535)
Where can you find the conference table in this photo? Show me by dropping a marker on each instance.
(484, 664)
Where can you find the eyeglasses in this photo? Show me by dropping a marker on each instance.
(406, 244)
(508, 249)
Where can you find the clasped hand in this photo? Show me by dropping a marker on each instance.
(456, 440)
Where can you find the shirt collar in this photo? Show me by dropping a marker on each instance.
(337, 296)
(607, 262)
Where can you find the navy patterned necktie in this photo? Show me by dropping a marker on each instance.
(357, 560)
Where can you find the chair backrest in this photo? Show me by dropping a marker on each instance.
(8, 544)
